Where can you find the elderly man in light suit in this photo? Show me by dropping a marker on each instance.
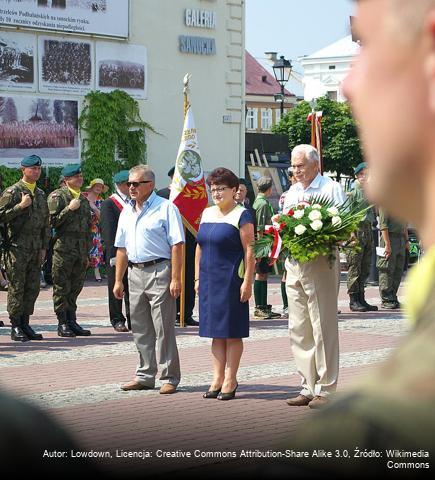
(312, 290)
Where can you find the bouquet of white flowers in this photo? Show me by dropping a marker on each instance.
(310, 229)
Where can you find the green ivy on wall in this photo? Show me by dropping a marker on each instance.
(114, 134)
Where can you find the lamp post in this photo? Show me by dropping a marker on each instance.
(282, 69)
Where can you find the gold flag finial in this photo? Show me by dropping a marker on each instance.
(186, 92)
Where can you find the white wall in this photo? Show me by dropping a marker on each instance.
(217, 83)
(319, 79)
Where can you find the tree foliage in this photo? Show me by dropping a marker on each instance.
(114, 134)
(341, 145)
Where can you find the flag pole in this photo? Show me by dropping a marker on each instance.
(183, 265)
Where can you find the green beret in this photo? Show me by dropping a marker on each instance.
(121, 177)
(360, 167)
(71, 170)
(31, 161)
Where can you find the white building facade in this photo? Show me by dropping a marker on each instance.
(325, 70)
(204, 38)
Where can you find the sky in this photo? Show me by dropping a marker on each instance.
(294, 28)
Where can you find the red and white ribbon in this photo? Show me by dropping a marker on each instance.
(277, 241)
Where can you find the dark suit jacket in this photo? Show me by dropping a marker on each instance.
(109, 217)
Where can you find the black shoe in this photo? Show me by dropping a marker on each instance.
(120, 327)
(355, 304)
(362, 301)
(63, 330)
(18, 335)
(2, 323)
(188, 322)
(228, 395)
(78, 330)
(28, 330)
(74, 326)
(211, 394)
(390, 305)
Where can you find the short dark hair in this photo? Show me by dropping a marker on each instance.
(223, 176)
(242, 181)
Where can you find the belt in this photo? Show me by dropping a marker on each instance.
(147, 264)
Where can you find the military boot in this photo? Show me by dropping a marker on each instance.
(355, 304)
(362, 301)
(63, 329)
(17, 333)
(28, 330)
(271, 313)
(261, 312)
(74, 326)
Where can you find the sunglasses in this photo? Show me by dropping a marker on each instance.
(136, 184)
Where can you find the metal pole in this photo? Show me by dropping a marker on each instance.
(282, 101)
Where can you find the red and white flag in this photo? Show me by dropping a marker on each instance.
(316, 134)
(188, 190)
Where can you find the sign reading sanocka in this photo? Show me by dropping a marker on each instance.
(200, 18)
(197, 45)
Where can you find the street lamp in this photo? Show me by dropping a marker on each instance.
(282, 69)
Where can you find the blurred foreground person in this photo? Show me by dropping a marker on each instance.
(32, 441)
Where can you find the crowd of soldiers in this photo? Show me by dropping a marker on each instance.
(10, 58)
(66, 62)
(121, 75)
(38, 134)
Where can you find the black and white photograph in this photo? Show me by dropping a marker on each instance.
(93, 5)
(96, 17)
(45, 126)
(121, 67)
(65, 66)
(17, 61)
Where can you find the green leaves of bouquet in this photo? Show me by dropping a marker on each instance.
(311, 229)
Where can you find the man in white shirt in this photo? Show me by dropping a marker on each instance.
(312, 290)
(149, 240)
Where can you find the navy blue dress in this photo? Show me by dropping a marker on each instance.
(221, 272)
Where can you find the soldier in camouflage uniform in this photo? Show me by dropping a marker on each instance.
(263, 216)
(23, 210)
(395, 241)
(70, 216)
(359, 262)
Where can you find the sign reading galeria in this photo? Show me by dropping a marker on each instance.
(96, 17)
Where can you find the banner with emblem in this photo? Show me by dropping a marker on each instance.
(188, 189)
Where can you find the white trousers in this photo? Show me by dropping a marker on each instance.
(312, 290)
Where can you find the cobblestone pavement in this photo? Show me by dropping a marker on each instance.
(77, 380)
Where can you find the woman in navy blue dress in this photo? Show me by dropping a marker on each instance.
(224, 269)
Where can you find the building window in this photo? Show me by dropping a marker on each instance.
(277, 115)
(266, 118)
(331, 67)
(251, 119)
(332, 95)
